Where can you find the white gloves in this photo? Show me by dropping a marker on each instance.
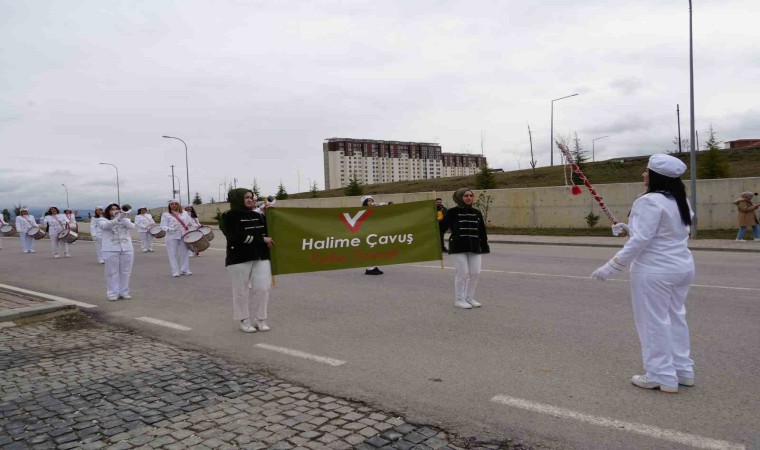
(620, 227)
(612, 266)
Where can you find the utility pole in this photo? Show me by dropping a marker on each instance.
(174, 190)
(678, 115)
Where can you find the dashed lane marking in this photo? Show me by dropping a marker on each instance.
(300, 354)
(576, 277)
(692, 440)
(47, 296)
(163, 323)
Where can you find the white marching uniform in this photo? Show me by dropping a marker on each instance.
(56, 224)
(72, 222)
(143, 222)
(97, 238)
(23, 224)
(119, 255)
(661, 270)
(175, 246)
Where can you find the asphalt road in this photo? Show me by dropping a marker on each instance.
(547, 359)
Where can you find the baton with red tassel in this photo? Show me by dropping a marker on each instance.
(563, 148)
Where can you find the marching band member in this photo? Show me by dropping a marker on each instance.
(118, 251)
(96, 233)
(25, 221)
(661, 270)
(143, 222)
(72, 220)
(174, 222)
(194, 224)
(368, 201)
(55, 223)
(247, 260)
(2, 222)
(467, 242)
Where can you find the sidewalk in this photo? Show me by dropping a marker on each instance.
(16, 307)
(725, 245)
(72, 383)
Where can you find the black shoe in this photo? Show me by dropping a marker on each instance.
(374, 271)
(444, 250)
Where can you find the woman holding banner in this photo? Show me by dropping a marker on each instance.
(247, 260)
(467, 242)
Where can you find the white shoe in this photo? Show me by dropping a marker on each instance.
(462, 304)
(474, 303)
(175, 274)
(643, 382)
(186, 274)
(150, 250)
(246, 327)
(100, 261)
(145, 250)
(740, 240)
(126, 297)
(56, 256)
(31, 251)
(26, 251)
(113, 298)
(66, 255)
(683, 381)
(261, 325)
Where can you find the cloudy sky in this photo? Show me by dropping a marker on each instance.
(254, 87)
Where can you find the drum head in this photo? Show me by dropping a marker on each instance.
(63, 234)
(32, 231)
(192, 236)
(5, 228)
(205, 230)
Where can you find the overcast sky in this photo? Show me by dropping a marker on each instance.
(254, 87)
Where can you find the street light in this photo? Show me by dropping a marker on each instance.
(187, 167)
(592, 145)
(551, 132)
(219, 191)
(693, 159)
(179, 187)
(67, 195)
(118, 194)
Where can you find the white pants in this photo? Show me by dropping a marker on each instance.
(660, 316)
(27, 242)
(118, 270)
(178, 259)
(146, 240)
(251, 277)
(98, 243)
(58, 245)
(468, 272)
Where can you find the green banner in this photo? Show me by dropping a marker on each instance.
(316, 239)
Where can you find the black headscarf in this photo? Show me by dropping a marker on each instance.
(235, 197)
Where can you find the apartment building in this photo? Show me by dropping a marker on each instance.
(373, 161)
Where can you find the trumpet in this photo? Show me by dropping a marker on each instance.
(269, 201)
(126, 208)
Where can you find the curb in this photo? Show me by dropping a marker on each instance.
(21, 313)
(583, 244)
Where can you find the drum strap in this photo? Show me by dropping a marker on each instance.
(31, 222)
(180, 221)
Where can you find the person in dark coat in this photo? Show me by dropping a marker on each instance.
(468, 241)
(247, 260)
(440, 212)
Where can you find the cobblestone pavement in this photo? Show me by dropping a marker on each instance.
(89, 386)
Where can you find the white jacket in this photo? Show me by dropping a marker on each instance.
(658, 242)
(143, 222)
(115, 235)
(24, 223)
(56, 223)
(174, 230)
(72, 222)
(95, 225)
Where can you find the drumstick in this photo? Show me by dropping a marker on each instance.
(590, 188)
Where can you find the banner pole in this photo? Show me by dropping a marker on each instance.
(273, 281)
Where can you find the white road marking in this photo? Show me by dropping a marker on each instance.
(300, 354)
(163, 323)
(47, 296)
(692, 440)
(8, 324)
(577, 277)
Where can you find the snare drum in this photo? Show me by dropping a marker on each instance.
(208, 232)
(195, 241)
(7, 230)
(68, 236)
(156, 231)
(35, 232)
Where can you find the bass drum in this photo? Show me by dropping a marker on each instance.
(7, 230)
(68, 236)
(35, 233)
(156, 231)
(195, 241)
(208, 232)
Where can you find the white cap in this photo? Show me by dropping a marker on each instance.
(98, 207)
(24, 208)
(365, 198)
(173, 200)
(666, 165)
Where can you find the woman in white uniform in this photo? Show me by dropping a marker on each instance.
(25, 221)
(55, 222)
(97, 233)
(194, 224)
(661, 270)
(118, 251)
(176, 223)
(143, 222)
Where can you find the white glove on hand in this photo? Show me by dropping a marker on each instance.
(620, 227)
(602, 273)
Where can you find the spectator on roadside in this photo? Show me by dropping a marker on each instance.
(368, 201)
(441, 211)
(747, 216)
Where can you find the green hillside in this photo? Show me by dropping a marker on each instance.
(742, 163)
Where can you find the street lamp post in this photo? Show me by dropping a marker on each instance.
(219, 191)
(693, 159)
(67, 195)
(592, 146)
(118, 194)
(187, 166)
(551, 132)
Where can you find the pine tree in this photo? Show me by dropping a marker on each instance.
(197, 200)
(354, 187)
(314, 189)
(282, 194)
(580, 156)
(485, 178)
(712, 163)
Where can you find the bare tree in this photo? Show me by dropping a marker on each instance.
(533, 162)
